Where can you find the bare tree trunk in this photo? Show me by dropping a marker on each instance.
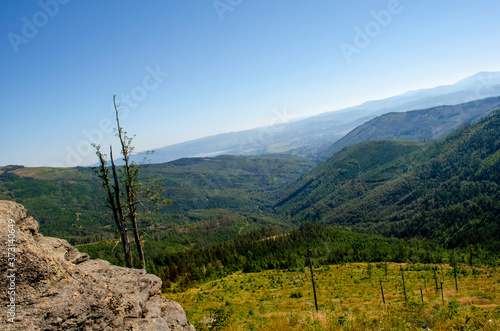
(129, 188)
(312, 279)
(404, 286)
(382, 290)
(114, 204)
(124, 230)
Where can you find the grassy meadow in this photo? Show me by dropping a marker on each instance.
(349, 298)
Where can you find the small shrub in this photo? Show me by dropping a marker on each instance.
(453, 307)
(222, 316)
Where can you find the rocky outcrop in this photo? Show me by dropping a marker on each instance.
(49, 285)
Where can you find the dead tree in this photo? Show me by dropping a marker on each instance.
(114, 203)
(127, 193)
(130, 182)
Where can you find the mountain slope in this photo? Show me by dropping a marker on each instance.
(374, 161)
(311, 135)
(448, 191)
(423, 124)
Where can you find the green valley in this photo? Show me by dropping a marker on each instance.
(68, 202)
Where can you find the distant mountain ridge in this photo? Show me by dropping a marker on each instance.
(431, 123)
(309, 136)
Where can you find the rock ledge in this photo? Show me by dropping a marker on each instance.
(58, 288)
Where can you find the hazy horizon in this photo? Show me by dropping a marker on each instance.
(187, 71)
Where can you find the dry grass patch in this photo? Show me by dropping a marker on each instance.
(349, 298)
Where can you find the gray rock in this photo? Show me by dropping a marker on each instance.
(59, 288)
(145, 324)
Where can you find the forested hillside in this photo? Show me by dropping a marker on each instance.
(68, 202)
(447, 191)
(267, 250)
(374, 161)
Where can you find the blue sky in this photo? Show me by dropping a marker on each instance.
(188, 69)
